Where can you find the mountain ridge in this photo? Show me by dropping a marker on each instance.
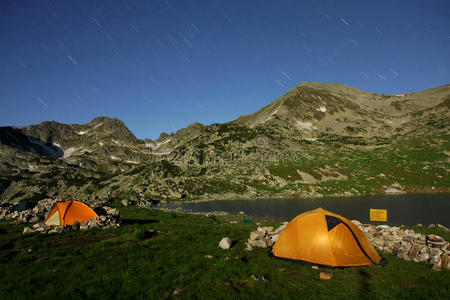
(323, 133)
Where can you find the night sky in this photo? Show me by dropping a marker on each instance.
(159, 65)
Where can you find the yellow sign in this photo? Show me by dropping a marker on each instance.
(378, 215)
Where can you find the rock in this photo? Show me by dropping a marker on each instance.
(33, 219)
(435, 252)
(53, 231)
(419, 225)
(279, 229)
(124, 202)
(257, 243)
(393, 190)
(268, 229)
(445, 260)
(356, 222)
(40, 229)
(27, 230)
(325, 276)
(414, 252)
(76, 225)
(102, 218)
(261, 229)
(431, 226)
(39, 225)
(442, 227)
(315, 267)
(208, 256)
(241, 213)
(435, 238)
(225, 243)
(255, 235)
(424, 257)
(406, 257)
(281, 181)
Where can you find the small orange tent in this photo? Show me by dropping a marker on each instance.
(66, 213)
(325, 238)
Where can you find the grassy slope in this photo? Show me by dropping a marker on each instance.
(126, 263)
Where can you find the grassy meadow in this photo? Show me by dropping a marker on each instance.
(157, 255)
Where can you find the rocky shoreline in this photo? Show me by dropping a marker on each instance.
(405, 243)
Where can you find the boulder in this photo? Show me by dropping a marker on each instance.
(225, 243)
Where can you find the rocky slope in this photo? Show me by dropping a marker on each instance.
(318, 139)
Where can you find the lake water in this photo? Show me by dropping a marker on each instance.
(402, 209)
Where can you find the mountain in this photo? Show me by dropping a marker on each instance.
(318, 139)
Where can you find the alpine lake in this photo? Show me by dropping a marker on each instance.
(404, 209)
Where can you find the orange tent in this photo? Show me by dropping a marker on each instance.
(66, 213)
(325, 238)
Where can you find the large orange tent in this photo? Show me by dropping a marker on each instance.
(66, 213)
(325, 238)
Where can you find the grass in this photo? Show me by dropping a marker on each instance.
(134, 262)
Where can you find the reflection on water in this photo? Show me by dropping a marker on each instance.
(402, 209)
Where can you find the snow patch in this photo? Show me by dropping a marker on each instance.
(97, 125)
(321, 108)
(310, 139)
(153, 146)
(305, 125)
(162, 153)
(68, 152)
(132, 162)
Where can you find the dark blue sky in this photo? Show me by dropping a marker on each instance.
(161, 65)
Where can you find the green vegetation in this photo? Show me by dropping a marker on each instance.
(135, 262)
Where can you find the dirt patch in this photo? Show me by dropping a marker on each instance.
(150, 235)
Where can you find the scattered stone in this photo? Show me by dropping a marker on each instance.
(176, 292)
(27, 230)
(405, 243)
(33, 219)
(408, 245)
(225, 243)
(326, 276)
